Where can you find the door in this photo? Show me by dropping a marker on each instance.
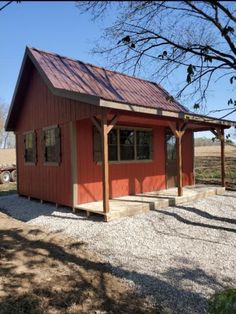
(171, 168)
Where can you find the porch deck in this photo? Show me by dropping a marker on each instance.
(140, 203)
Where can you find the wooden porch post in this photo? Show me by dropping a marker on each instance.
(105, 166)
(104, 128)
(179, 165)
(222, 146)
(179, 130)
(219, 133)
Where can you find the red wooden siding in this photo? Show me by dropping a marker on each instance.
(125, 178)
(40, 108)
(50, 183)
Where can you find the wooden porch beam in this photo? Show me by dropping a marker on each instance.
(184, 127)
(110, 125)
(172, 126)
(214, 132)
(97, 123)
(113, 122)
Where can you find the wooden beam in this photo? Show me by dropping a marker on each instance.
(184, 127)
(168, 114)
(97, 123)
(222, 142)
(110, 125)
(179, 165)
(214, 132)
(178, 131)
(219, 133)
(113, 122)
(172, 126)
(105, 166)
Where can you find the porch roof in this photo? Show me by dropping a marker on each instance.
(196, 122)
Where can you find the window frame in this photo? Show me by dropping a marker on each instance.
(34, 148)
(51, 163)
(135, 160)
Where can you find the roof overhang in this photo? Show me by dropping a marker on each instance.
(204, 122)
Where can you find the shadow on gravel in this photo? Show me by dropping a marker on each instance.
(80, 289)
(25, 210)
(72, 284)
(194, 223)
(206, 214)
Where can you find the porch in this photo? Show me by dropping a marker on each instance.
(140, 203)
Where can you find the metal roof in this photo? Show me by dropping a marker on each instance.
(79, 77)
(94, 85)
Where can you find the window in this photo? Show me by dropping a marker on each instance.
(170, 146)
(124, 144)
(112, 145)
(30, 147)
(143, 144)
(52, 146)
(127, 144)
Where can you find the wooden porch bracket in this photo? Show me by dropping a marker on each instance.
(110, 124)
(178, 130)
(97, 123)
(219, 133)
(104, 128)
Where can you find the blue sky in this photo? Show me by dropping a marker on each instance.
(59, 27)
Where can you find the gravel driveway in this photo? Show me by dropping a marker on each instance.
(178, 256)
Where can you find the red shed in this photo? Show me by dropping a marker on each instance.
(84, 133)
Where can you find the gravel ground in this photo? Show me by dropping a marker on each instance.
(178, 256)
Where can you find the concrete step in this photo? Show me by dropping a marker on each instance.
(141, 203)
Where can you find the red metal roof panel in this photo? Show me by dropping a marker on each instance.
(80, 77)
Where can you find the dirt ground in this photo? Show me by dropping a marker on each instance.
(46, 273)
(7, 188)
(208, 165)
(214, 150)
(7, 156)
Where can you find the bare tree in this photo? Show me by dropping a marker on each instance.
(193, 38)
(7, 4)
(7, 139)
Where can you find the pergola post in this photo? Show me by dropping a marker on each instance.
(104, 128)
(178, 131)
(219, 133)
